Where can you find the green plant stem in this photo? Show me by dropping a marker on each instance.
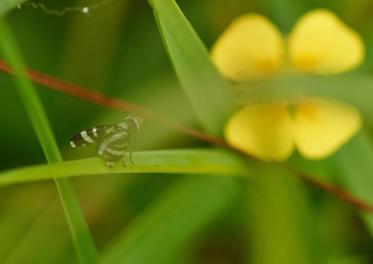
(82, 240)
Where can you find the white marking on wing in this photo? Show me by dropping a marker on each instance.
(86, 137)
(137, 123)
(114, 152)
(108, 130)
(123, 125)
(94, 131)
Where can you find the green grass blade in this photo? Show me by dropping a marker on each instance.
(172, 161)
(210, 95)
(356, 161)
(81, 237)
(354, 88)
(7, 5)
(206, 94)
(159, 234)
(281, 231)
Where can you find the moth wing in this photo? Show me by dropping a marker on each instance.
(113, 147)
(89, 136)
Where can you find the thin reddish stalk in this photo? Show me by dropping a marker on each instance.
(121, 105)
(342, 195)
(109, 102)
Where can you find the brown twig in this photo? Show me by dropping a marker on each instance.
(342, 195)
(121, 105)
(110, 102)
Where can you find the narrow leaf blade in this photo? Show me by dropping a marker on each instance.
(173, 161)
(210, 95)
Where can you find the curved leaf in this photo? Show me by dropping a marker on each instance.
(168, 161)
(210, 95)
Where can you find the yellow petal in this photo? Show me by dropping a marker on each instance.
(321, 126)
(321, 43)
(251, 47)
(262, 130)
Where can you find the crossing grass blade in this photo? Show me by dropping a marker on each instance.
(351, 87)
(82, 240)
(213, 162)
(170, 223)
(281, 231)
(210, 95)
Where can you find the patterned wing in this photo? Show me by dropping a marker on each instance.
(113, 147)
(89, 136)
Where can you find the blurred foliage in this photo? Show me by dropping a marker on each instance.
(118, 50)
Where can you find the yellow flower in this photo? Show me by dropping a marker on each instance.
(320, 43)
(250, 47)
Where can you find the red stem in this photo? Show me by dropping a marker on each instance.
(121, 105)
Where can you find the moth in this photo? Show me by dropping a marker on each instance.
(112, 141)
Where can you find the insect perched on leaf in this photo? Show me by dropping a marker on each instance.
(112, 141)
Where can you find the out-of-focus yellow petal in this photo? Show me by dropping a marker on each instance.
(251, 47)
(262, 130)
(321, 126)
(321, 43)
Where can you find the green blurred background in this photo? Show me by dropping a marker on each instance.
(117, 50)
